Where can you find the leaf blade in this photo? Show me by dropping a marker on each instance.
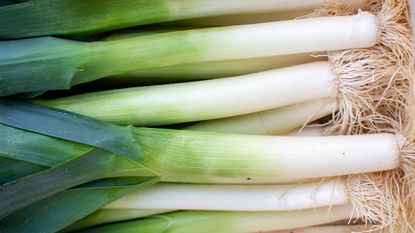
(64, 208)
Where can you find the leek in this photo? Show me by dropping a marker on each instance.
(47, 63)
(196, 156)
(44, 17)
(197, 71)
(228, 221)
(236, 197)
(256, 159)
(270, 122)
(143, 141)
(190, 156)
(207, 99)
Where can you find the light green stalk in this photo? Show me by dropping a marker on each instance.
(205, 70)
(207, 99)
(228, 222)
(103, 216)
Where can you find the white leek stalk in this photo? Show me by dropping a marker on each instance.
(289, 10)
(294, 36)
(236, 197)
(270, 122)
(216, 7)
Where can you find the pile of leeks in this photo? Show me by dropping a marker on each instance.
(186, 116)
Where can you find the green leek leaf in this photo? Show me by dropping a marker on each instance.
(69, 126)
(62, 209)
(11, 169)
(69, 150)
(96, 164)
(104, 216)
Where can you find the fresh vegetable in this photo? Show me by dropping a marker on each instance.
(237, 197)
(33, 18)
(195, 156)
(228, 221)
(47, 63)
(21, 199)
(208, 99)
(60, 166)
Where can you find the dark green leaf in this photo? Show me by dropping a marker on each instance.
(69, 126)
(81, 165)
(6, 2)
(38, 148)
(96, 164)
(60, 210)
(35, 18)
(11, 169)
(39, 64)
